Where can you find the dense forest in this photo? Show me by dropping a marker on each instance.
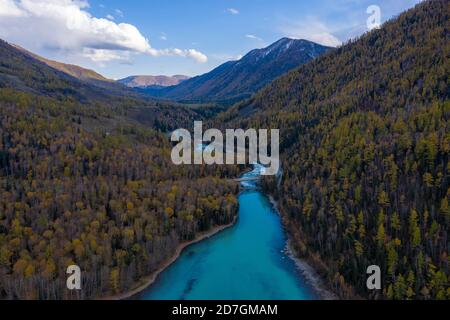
(86, 176)
(82, 183)
(365, 144)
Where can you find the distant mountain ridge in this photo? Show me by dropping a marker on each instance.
(235, 80)
(152, 81)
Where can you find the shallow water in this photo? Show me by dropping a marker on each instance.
(246, 261)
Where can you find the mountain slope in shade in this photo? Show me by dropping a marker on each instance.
(152, 81)
(235, 80)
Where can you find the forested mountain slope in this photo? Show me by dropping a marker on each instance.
(365, 144)
(81, 183)
(235, 80)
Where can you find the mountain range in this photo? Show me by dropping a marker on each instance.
(228, 83)
(236, 80)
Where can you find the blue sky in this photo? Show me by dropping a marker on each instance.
(177, 36)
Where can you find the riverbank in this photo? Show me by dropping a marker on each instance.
(314, 279)
(149, 280)
(288, 287)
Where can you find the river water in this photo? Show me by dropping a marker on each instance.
(245, 262)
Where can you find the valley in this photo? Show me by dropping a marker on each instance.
(87, 178)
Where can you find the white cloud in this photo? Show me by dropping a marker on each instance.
(196, 55)
(163, 36)
(253, 37)
(311, 29)
(110, 17)
(9, 8)
(187, 53)
(102, 55)
(66, 25)
(233, 11)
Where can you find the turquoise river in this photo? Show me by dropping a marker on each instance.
(245, 262)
